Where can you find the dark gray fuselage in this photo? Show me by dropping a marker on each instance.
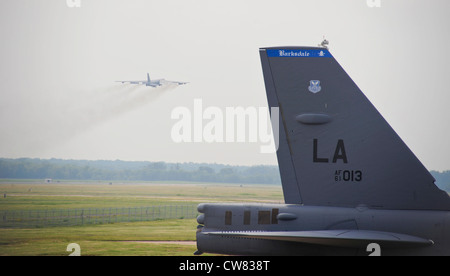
(432, 225)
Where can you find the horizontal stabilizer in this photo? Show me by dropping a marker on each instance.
(339, 238)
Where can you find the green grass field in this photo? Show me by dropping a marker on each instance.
(115, 239)
(26, 195)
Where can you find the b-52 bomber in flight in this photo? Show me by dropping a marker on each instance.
(153, 83)
(351, 185)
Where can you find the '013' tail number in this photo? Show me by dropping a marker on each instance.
(348, 176)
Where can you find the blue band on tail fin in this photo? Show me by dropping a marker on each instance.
(298, 53)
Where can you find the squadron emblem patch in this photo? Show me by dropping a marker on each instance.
(314, 86)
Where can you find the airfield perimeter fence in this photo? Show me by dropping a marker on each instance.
(72, 217)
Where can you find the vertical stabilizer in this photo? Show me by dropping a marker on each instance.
(335, 148)
(148, 78)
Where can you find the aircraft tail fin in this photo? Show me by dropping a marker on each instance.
(148, 77)
(335, 149)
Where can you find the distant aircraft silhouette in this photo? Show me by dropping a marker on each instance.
(153, 83)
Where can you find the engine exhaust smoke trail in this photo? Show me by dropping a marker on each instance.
(84, 111)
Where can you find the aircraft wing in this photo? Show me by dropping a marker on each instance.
(176, 82)
(133, 82)
(340, 238)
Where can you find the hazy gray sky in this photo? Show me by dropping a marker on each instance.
(58, 65)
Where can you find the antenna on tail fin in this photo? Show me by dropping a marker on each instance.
(324, 43)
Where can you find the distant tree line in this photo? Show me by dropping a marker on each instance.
(27, 168)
